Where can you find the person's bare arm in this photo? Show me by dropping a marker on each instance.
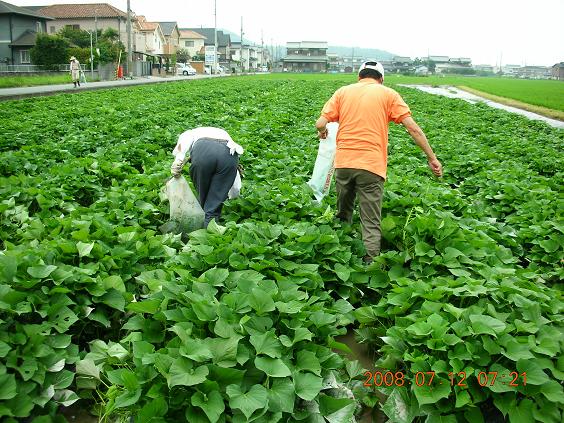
(421, 140)
(321, 126)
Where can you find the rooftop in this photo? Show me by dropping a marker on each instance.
(69, 11)
(7, 8)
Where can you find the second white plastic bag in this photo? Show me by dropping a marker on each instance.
(185, 210)
(324, 167)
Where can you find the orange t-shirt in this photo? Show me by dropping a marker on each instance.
(363, 111)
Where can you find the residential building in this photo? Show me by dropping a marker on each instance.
(535, 72)
(463, 61)
(191, 41)
(421, 71)
(18, 29)
(172, 37)
(335, 62)
(150, 39)
(437, 59)
(90, 17)
(484, 68)
(400, 64)
(510, 70)
(223, 44)
(306, 56)
(557, 71)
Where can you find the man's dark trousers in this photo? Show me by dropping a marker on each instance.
(370, 190)
(213, 172)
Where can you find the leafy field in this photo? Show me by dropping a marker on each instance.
(99, 309)
(545, 93)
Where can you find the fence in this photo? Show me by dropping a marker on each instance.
(103, 72)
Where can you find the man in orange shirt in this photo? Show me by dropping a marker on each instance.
(363, 111)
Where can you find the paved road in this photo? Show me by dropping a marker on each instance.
(22, 92)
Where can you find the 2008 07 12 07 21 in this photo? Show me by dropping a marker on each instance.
(485, 378)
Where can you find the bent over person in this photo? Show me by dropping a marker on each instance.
(363, 110)
(214, 161)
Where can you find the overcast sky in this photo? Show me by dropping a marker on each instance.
(517, 31)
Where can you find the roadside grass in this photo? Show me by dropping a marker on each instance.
(33, 80)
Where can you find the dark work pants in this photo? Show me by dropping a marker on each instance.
(370, 189)
(213, 172)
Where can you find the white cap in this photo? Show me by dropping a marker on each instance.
(374, 65)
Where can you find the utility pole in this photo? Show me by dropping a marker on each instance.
(241, 48)
(96, 27)
(215, 38)
(129, 53)
(261, 49)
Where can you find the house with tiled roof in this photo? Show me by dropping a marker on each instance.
(172, 37)
(149, 38)
(18, 29)
(90, 17)
(192, 41)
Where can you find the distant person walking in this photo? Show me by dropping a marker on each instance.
(75, 71)
(363, 110)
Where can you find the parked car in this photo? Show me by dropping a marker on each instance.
(220, 69)
(264, 68)
(185, 69)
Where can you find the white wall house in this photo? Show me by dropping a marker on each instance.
(86, 17)
(191, 41)
(150, 38)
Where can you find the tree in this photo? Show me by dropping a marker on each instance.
(50, 51)
(183, 55)
(76, 37)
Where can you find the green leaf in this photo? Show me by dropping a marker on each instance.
(41, 272)
(261, 301)
(147, 306)
(183, 373)
(425, 394)
(215, 276)
(196, 349)
(87, 367)
(435, 418)
(83, 248)
(152, 411)
(212, 404)
(273, 367)
(535, 375)
(522, 413)
(281, 396)
(482, 324)
(267, 344)
(307, 385)
(127, 398)
(114, 282)
(344, 273)
(552, 390)
(399, 407)
(7, 386)
(308, 361)
(336, 410)
(248, 402)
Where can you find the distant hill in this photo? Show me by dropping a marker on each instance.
(366, 53)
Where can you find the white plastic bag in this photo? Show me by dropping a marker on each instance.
(324, 167)
(235, 190)
(186, 213)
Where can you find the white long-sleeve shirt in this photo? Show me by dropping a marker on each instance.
(187, 139)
